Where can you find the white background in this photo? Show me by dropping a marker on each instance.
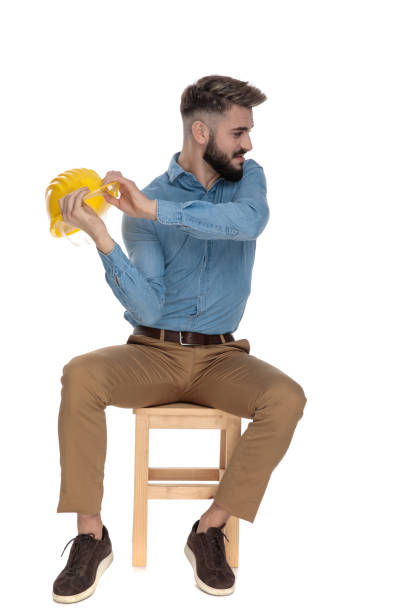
(98, 85)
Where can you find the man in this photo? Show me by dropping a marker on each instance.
(191, 239)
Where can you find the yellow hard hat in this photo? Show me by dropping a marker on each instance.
(69, 181)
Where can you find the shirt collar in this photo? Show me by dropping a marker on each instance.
(175, 169)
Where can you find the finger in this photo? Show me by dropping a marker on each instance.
(69, 202)
(83, 193)
(108, 176)
(110, 199)
(114, 176)
(61, 205)
(106, 188)
(77, 199)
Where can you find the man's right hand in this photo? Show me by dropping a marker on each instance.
(78, 214)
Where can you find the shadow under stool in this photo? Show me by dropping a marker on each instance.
(180, 415)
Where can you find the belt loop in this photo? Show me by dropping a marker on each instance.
(222, 338)
(161, 334)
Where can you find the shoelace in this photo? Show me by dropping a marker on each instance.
(78, 539)
(214, 540)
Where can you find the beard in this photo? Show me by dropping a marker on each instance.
(222, 163)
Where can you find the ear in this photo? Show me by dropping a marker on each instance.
(200, 131)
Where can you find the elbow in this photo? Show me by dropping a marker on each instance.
(255, 229)
(261, 222)
(152, 317)
(149, 307)
(149, 317)
(154, 313)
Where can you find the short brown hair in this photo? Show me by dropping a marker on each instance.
(215, 94)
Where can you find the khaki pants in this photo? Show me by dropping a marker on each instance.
(150, 371)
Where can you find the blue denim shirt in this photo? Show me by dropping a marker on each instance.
(191, 269)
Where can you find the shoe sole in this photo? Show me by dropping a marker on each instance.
(205, 587)
(103, 565)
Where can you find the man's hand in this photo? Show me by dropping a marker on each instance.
(78, 214)
(132, 201)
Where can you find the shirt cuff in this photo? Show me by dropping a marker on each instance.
(168, 212)
(115, 259)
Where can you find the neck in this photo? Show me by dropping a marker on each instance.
(192, 161)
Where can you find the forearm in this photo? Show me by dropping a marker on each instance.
(244, 217)
(104, 242)
(235, 220)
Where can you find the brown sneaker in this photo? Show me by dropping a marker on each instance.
(88, 559)
(206, 553)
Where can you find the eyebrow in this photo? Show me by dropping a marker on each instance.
(243, 128)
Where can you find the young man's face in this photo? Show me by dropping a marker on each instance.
(231, 141)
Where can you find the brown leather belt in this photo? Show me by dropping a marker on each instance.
(182, 337)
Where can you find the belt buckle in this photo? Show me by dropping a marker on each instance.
(185, 343)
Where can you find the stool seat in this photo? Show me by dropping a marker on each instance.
(180, 415)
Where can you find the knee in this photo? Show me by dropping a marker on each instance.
(73, 370)
(289, 396)
(81, 370)
(295, 397)
(297, 390)
(84, 376)
(301, 399)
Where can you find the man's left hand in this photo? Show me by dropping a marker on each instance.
(132, 201)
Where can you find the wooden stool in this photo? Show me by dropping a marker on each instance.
(180, 415)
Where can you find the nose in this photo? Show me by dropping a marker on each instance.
(246, 144)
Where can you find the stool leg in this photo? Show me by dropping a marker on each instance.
(229, 438)
(140, 501)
